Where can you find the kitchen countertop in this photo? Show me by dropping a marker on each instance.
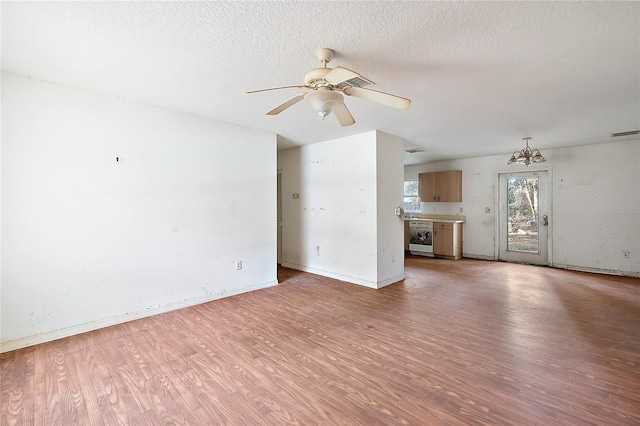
(438, 218)
(415, 219)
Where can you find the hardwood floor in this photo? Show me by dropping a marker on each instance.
(457, 342)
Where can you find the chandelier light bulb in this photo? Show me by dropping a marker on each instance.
(527, 155)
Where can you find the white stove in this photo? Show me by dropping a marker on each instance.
(421, 237)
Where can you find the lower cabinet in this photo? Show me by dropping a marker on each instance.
(406, 235)
(447, 240)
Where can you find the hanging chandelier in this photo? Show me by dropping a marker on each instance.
(527, 155)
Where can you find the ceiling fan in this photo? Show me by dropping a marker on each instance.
(326, 87)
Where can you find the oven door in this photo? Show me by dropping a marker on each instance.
(421, 236)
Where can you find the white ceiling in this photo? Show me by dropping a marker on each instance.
(481, 75)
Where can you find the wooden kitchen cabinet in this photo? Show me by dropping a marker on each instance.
(440, 186)
(406, 235)
(447, 240)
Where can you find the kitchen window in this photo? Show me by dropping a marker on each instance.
(411, 198)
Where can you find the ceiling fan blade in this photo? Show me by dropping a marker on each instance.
(340, 74)
(343, 115)
(380, 97)
(276, 88)
(287, 104)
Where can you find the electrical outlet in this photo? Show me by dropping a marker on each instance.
(626, 254)
(363, 212)
(238, 265)
(461, 210)
(317, 250)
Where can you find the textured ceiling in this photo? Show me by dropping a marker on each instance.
(481, 75)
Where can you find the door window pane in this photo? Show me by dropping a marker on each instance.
(522, 213)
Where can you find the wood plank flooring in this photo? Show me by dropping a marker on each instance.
(457, 342)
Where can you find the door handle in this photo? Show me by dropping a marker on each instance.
(545, 220)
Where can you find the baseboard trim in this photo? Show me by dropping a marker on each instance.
(597, 270)
(478, 256)
(391, 281)
(120, 319)
(631, 274)
(345, 278)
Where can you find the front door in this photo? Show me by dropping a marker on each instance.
(524, 214)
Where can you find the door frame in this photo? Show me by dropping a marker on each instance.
(496, 209)
(279, 216)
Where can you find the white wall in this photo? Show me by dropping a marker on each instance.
(89, 241)
(595, 204)
(389, 177)
(332, 229)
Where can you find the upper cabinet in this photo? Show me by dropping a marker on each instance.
(440, 186)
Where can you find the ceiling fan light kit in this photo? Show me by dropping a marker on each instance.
(327, 87)
(323, 100)
(527, 155)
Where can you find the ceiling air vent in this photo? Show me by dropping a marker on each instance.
(627, 133)
(413, 150)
